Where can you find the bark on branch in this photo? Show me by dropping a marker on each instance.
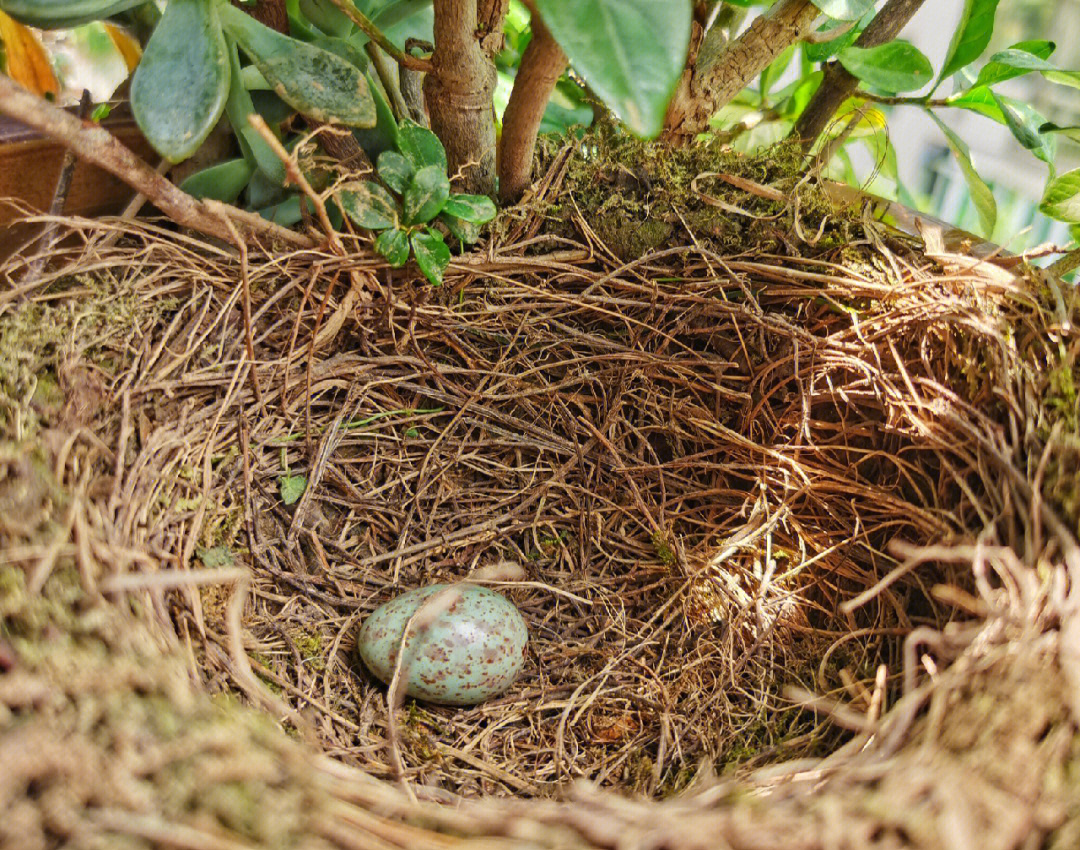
(541, 66)
(838, 85)
(97, 146)
(718, 75)
(458, 91)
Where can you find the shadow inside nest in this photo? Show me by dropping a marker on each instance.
(697, 460)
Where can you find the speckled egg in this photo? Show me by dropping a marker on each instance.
(469, 652)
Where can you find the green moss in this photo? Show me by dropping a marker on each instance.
(663, 549)
(639, 197)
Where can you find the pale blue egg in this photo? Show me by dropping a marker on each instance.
(471, 651)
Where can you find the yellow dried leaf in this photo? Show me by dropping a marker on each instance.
(127, 46)
(25, 60)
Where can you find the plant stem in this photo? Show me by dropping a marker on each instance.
(97, 146)
(458, 91)
(350, 11)
(541, 66)
(719, 76)
(838, 84)
(889, 100)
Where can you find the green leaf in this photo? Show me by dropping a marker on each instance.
(420, 146)
(972, 35)
(292, 488)
(827, 49)
(369, 205)
(395, 170)
(845, 10)
(64, 14)
(315, 82)
(394, 245)
(384, 135)
(981, 195)
(630, 52)
(994, 72)
(1024, 62)
(393, 13)
(327, 17)
(1062, 198)
(1024, 123)
(343, 49)
(477, 209)
(980, 100)
(1071, 133)
(774, 71)
(179, 89)
(432, 254)
(465, 231)
(222, 182)
(238, 106)
(801, 96)
(893, 67)
(425, 195)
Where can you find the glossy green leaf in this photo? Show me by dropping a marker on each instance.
(981, 195)
(630, 52)
(292, 487)
(845, 10)
(238, 106)
(222, 182)
(994, 72)
(432, 254)
(394, 245)
(801, 94)
(395, 170)
(1024, 122)
(343, 49)
(384, 135)
(466, 231)
(893, 67)
(972, 35)
(180, 86)
(369, 205)
(477, 209)
(425, 195)
(393, 13)
(287, 213)
(1062, 198)
(326, 16)
(316, 82)
(1024, 62)
(1071, 133)
(420, 146)
(774, 71)
(827, 49)
(63, 14)
(980, 100)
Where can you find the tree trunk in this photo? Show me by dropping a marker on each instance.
(721, 71)
(458, 92)
(838, 84)
(541, 66)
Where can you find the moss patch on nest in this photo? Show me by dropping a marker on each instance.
(641, 197)
(105, 741)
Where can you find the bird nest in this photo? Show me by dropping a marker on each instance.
(792, 527)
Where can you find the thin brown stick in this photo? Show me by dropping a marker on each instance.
(98, 146)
